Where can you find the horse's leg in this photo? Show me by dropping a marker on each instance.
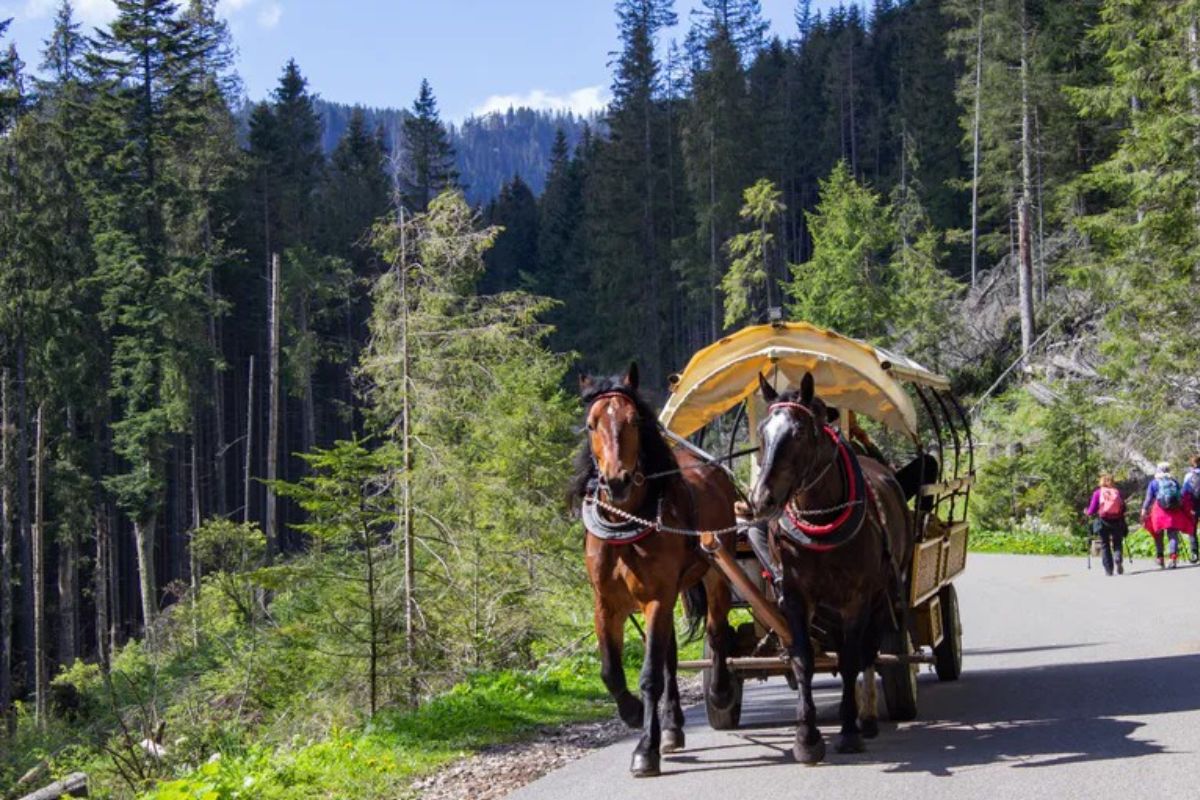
(850, 656)
(672, 707)
(809, 747)
(716, 628)
(659, 635)
(868, 704)
(610, 633)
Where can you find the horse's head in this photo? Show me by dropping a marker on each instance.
(614, 420)
(792, 444)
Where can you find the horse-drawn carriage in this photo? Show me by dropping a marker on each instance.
(908, 402)
(843, 551)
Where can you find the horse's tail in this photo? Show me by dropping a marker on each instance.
(695, 608)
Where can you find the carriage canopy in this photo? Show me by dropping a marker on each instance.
(849, 374)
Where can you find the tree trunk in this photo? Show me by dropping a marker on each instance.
(24, 527)
(975, 148)
(406, 515)
(6, 565)
(247, 467)
(308, 401)
(1024, 211)
(100, 582)
(270, 522)
(68, 579)
(143, 538)
(1194, 91)
(217, 379)
(41, 683)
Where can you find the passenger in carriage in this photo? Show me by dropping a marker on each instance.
(1168, 509)
(1108, 509)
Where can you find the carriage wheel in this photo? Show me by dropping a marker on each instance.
(899, 680)
(948, 654)
(721, 719)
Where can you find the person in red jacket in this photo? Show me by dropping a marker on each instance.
(1167, 509)
(1108, 508)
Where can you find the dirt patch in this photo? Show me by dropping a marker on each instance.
(496, 772)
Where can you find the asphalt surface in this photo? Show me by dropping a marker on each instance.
(1075, 685)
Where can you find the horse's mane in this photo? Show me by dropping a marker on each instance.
(656, 453)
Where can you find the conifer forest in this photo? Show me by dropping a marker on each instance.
(288, 393)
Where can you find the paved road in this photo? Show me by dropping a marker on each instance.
(1075, 685)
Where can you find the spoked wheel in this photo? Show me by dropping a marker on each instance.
(727, 718)
(948, 655)
(899, 680)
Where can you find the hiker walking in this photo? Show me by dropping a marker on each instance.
(1108, 508)
(1167, 510)
(1191, 490)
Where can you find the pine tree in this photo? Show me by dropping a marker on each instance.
(844, 286)
(512, 261)
(749, 285)
(356, 192)
(428, 164)
(147, 73)
(1144, 244)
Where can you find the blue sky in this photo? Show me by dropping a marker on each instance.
(478, 54)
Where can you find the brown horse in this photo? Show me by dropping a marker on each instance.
(627, 467)
(843, 535)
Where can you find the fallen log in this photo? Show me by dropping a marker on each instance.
(74, 785)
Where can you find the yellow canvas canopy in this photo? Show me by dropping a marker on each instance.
(849, 374)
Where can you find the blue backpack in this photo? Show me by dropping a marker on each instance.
(1167, 493)
(1191, 485)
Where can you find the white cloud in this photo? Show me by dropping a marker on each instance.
(580, 101)
(269, 16)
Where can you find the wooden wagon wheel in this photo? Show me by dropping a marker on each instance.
(948, 655)
(899, 680)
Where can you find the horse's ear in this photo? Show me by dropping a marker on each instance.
(820, 411)
(807, 389)
(631, 376)
(585, 383)
(768, 391)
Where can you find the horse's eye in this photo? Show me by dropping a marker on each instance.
(591, 427)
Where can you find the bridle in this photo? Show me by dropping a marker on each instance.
(826, 536)
(806, 483)
(639, 477)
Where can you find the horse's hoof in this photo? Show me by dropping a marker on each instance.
(809, 753)
(722, 701)
(629, 708)
(869, 728)
(672, 741)
(849, 743)
(645, 765)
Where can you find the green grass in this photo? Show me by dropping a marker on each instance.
(382, 758)
(1026, 543)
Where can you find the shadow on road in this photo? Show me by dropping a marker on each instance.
(1032, 717)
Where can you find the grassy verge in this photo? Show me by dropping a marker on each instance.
(382, 758)
(1025, 543)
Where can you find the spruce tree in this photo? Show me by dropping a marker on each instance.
(145, 71)
(512, 261)
(427, 167)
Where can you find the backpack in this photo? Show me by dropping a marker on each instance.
(1167, 491)
(1191, 485)
(1110, 502)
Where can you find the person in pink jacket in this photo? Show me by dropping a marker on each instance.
(1167, 509)
(1108, 508)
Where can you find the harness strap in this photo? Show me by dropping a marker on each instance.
(828, 536)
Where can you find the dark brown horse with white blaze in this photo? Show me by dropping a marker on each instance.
(627, 468)
(842, 533)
